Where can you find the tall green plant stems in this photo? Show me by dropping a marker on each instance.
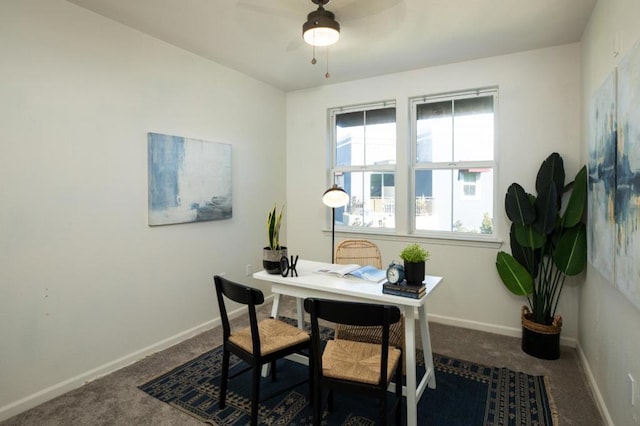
(274, 220)
(548, 243)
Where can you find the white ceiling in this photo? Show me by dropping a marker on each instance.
(263, 38)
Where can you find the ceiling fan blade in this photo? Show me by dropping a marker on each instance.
(296, 43)
(268, 9)
(361, 8)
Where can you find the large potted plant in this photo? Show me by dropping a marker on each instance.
(273, 252)
(548, 243)
(414, 257)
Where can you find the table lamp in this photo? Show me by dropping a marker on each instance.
(334, 197)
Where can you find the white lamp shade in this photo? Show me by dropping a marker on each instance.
(321, 36)
(335, 197)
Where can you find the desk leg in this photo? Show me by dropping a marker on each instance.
(426, 347)
(299, 304)
(410, 347)
(276, 306)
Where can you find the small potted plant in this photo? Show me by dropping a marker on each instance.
(273, 252)
(414, 257)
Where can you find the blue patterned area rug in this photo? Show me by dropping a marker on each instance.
(466, 394)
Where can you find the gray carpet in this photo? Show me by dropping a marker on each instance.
(116, 400)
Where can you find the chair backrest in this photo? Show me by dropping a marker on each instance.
(245, 295)
(350, 313)
(361, 252)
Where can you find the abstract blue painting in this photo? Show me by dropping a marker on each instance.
(627, 206)
(189, 180)
(602, 178)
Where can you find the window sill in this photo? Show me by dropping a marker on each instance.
(390, 235)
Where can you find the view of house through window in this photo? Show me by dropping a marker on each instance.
(364, 165)
(454, 163)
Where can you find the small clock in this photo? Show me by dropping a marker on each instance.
(395, 273)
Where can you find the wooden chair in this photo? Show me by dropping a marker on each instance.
(365, 368)
(361, 252)
(262, 342)
(364, 252)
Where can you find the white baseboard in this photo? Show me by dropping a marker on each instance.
(594, 387)
(491, 328)
(72, 383)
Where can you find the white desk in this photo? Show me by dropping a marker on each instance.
(311, 284)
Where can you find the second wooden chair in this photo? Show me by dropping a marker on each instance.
(364, 368)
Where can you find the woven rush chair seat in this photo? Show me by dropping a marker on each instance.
(357, 361)
(358, 333)
(371, 334)
(274, 336)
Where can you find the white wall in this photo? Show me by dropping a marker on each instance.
(609, 335)
(539, 112)
(85, 285)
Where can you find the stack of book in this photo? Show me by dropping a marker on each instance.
(404, 290)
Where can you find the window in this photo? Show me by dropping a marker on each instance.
(443, 186)
(364, 158)
(453, 163)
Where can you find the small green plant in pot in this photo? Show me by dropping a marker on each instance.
(548, 243)
(414, 257)
(273, 252)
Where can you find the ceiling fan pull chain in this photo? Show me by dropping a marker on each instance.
(313, 60)
(327, 75)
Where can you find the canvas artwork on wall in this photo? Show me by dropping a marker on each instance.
(627, 206)
(189, 180)
(602, 178)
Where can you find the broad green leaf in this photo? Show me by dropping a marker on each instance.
(527, 257)
(551, 171)
(575, 206)
(546, 210)
(570, 256)
(518, 206)
(514, 276)
(528, 237)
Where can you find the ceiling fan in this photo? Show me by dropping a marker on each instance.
(346, 11)
(321, 29)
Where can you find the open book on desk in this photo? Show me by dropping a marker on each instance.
(367, 272)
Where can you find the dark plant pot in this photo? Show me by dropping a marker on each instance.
(539, 340)
(414, 273)
(271, 259)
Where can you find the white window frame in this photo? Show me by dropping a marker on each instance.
(374, 168)
(414, 165)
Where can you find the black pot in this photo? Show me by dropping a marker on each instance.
(414, 273)
(541, 345)
(271, 259)
(540, 340)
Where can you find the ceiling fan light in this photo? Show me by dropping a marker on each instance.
(321, 28)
